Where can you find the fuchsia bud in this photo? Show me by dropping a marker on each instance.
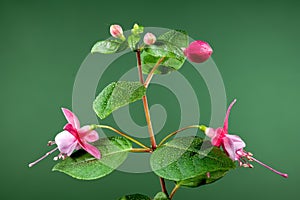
(149, 38)
(117, 31)
(198, 51)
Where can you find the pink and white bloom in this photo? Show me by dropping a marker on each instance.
(117, 31)
(198, 51)
(73, 138)
(233, 145)
(149, 38)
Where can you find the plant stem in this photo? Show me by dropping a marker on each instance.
(140, 150)
(139, 62)
(163, 186)
(150, 75)
(145, 102)
(175, 132)
(148, 118)
(124, 135)
(174, 191)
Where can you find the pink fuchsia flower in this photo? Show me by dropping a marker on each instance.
(233, 145)
(73, 138)
(149, 38)
(198, 51)
(117, 31)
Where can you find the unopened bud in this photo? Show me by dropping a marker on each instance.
(137, 29)
(198, 51)
(117, 31)
(149, 38)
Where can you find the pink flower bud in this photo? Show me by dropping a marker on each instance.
(149, 38)
(198, 51)
(116, 31)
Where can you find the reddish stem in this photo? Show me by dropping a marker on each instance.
(148, 119)
(151, 73)
(163, 186)
(149, 123)
(139, 62)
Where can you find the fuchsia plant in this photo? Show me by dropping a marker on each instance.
(198, 161)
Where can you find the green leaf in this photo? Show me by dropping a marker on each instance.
(109, 46)
(178, 38)
(135, 197)
(168, 45)
(174, 57)
(116, 95)
(82, 165)
(190, 161)
(133, 41)
(161, 196)
(164, 49)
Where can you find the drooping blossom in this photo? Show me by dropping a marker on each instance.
(149, 38)
(73, 138)
(198, 51)
(117, 31)
(233, 145)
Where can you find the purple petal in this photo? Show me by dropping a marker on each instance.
(87, 134)
(238, 142)
(66, 142)
(92, 150)
(225, 127)
(71, 118)
(229, 148)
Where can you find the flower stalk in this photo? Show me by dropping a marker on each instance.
(122, 134)
(150, 75)
(175, 132)
(174, 191)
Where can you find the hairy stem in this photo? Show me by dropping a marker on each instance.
(175, 132)
(150, 75)
(123, 134)
(174, 191)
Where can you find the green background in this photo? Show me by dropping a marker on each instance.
(256, 46)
